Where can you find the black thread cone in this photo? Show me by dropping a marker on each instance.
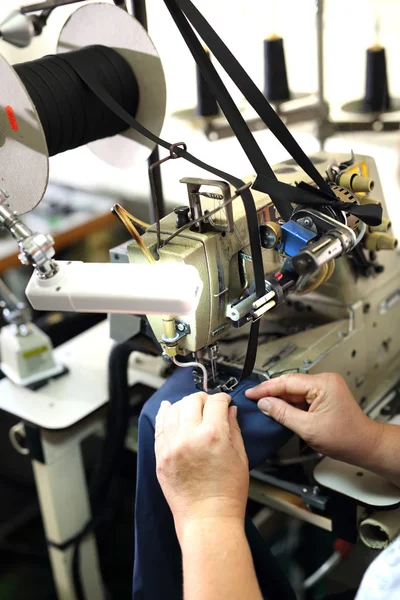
(276, 88)
(377, 98)
(207, 105)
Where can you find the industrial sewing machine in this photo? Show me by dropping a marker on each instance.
(325, 308)
(331, 282)
(322, 310)
(332, 304)
(320, 316)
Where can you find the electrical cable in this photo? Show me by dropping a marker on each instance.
(331, 563)
(117, 422)
(114, 442)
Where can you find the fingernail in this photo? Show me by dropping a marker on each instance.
(265, 406)
(164, 403)
(234, 411)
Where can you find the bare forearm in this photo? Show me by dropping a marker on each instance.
(385, 460)
(381, 453)
(217, 562)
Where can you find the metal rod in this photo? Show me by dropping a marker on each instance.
(320, 50)
(6, 296)
(140, 13)
(155, 157)
(154, 190)
(323, 121)
(208, 215)
(197, 365)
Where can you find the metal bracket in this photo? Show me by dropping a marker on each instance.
(327, 224)
(280, 355)
(181, 329)
(193, 186)
(311, 495)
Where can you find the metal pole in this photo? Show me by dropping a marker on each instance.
(140, 13)
(7, 298)
(320, 70)
(320, 49)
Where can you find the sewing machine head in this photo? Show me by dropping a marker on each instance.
(323, 291)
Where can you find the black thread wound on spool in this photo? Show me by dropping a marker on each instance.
(377, 98)
(207, 106)
(276, 87)
(70, 113)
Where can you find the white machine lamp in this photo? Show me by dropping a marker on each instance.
(167, 289)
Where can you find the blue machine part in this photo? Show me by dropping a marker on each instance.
(295, 237)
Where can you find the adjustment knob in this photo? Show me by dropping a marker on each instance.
(182, 216)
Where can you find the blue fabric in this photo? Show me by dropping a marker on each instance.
(158, 569)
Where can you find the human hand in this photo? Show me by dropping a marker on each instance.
(202, 465)
(334, 424)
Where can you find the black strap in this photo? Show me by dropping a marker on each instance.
(251, 214)
(251, 92)
(281, 194)
(306, 194)
(251, 354)
(229, 108)
(371, 213)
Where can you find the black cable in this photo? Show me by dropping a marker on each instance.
(114, 442)
(117, 423)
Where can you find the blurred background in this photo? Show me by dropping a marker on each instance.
(76, 208)
(350, 28)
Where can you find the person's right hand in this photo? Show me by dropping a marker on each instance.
(333, 425)
(202, 465)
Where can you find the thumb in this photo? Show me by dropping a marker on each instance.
(286, 414)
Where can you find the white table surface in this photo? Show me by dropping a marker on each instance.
(65, 401)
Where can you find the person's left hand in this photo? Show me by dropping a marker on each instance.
(202, 465)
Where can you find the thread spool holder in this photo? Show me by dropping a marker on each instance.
(305, 108)
(25, 177)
